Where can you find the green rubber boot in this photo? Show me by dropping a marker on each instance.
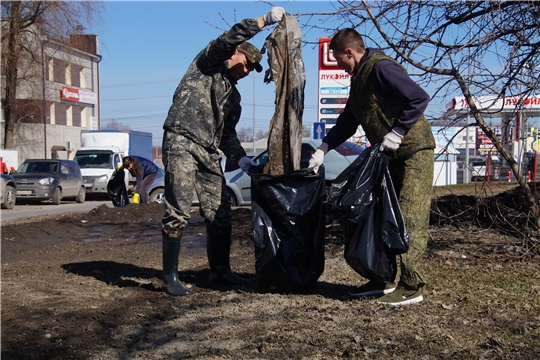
(171, 252)
(218, 247)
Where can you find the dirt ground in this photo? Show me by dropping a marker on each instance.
(88, 286)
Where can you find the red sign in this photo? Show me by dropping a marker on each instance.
(326, 58)
(70, 94)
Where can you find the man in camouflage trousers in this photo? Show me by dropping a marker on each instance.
(202, 119)
(389, 106)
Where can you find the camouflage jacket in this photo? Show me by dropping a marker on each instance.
(378, 112)
(206, 104)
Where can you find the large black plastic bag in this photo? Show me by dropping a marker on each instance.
(364, 198)
(116, 187)
(288, 217)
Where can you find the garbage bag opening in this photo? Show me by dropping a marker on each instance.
(364, 199)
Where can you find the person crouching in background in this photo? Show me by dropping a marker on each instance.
(145, 171)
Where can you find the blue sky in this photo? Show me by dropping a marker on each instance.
(147, 46)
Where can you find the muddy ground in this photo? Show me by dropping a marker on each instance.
(88, 286)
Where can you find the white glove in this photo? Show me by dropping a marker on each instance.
(274, 15)
(391, 141)
(245, 163)
(317, 157)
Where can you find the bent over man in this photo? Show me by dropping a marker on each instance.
(389, 106)
(202, 119)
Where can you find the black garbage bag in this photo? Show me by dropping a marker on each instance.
(116, 187)
(364, 199)
(288, 217)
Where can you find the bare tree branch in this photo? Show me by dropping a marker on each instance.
(472, 48)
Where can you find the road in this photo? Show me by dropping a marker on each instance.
(31, 210)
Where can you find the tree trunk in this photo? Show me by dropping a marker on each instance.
(12, 58)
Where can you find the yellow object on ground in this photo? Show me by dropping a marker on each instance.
(135, 199)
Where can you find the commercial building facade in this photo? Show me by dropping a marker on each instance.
(57, 97)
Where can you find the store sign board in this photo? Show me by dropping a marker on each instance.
(78, 96)
(334, 86)
(492, 104)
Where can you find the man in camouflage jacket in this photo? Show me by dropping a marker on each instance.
(202, 119)
(389, 106)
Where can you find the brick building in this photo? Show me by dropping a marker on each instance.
(57, 97)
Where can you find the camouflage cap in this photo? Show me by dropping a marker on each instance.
(252, 54)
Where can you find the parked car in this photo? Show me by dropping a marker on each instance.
(8, 192)
(157, 189)
(49, 179)
(239, 183)
(335, 161)
(478, 166)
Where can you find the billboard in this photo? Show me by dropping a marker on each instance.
(484, 145)
(334, 85)
(496, 105)
(77, 95)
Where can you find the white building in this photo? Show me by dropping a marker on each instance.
(57, 97)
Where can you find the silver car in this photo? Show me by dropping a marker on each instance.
(157, 189)
(8, 192)
(479, 166)
(239, 183)
(49, 179)
(335, 161)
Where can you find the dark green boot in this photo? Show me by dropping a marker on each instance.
(218, 247)
(171, 251)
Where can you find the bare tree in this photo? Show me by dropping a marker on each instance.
(261, 134)
(306, 131)
(115, 125)
(245, 134)
(25, 26)
(442, 41)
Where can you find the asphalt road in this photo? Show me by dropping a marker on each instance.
(38, 209)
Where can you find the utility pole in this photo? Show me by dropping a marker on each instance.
(44, 114)
(466, 170)
(253, 111)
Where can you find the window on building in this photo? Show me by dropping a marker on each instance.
(76, 75)
(59, 75)
(76, 115)
(60, 114)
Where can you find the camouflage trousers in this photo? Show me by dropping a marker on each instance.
(191, 168)
(413, 181)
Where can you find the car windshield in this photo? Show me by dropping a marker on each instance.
(478, 163)
(262, 159)
(38, 167)
(349, 148)
(93, 160)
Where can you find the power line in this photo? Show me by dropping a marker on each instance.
(138, 98)
(139, 83)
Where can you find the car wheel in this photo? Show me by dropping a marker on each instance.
(81, 196)
(57, 196)
(232, 198)
(10, 197)
(157, 196)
